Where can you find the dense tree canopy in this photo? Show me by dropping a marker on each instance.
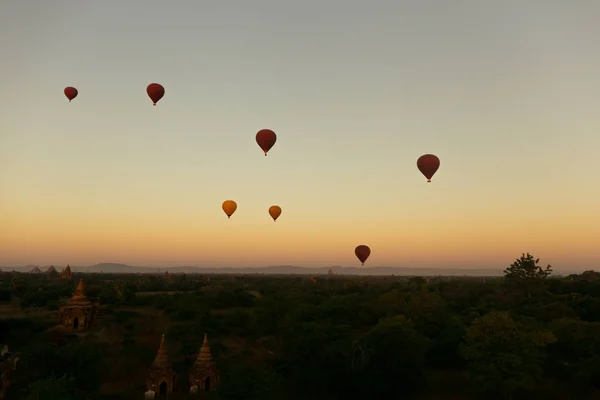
(331, 337)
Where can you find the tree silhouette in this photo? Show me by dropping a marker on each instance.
(526, 268)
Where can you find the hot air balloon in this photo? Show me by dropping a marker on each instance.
(155, 91)
(428, 164)
(362, 253)
(275, 212)
(71, 93)
(229, 206)
(266, 138)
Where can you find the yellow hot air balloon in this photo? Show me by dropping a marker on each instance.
(275, 212)
(229, 206)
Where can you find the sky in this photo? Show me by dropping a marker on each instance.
(506, 93)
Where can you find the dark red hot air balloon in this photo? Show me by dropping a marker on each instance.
(71, 93)
(428, 164)
(266, 138)
(155, 91)
(362, 253)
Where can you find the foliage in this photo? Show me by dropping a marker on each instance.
(247, 383)
(394, 357)
(526, 269)
(52, 388)
(503, 355)
(273, 337)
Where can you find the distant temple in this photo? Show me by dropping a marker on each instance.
(66, 273)
(52, 273)
(330, 272)
(204, 374)
(80, 313)
(167, 275)
(161, 377)
(8, 364)
(36, 270)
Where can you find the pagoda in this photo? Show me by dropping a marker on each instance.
(66, 273)
(161, 377)
(79, 313)
(204, 374)
(52, 273)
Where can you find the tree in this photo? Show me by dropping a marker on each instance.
(5, 295)
(316, 355)
(52, 388)
(526, 268)
(574, 357)
(504, 356)
(394, 358)
(19, 285)
(246, 382)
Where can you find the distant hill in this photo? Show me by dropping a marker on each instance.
(115, 268)
(111, 268)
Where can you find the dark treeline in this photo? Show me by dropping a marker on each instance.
(525, 336)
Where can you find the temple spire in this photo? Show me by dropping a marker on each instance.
(79, 296)
(205, 355)
(162, 356)
(79, 290)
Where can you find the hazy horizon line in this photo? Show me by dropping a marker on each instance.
(242, 267)
(449, 269)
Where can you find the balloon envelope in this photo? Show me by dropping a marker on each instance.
(155, 91)
(71, 93)
(229, 206)
(274, 212)
(362, 253)
(266, 139)
(428, 164)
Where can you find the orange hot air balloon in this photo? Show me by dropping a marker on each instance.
(155, 91)
(428, 164)
(362, 253)
(275, 212)
(266, 138)
(71, 93)
(229, 206)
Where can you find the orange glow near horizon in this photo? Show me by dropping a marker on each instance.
(482, 240)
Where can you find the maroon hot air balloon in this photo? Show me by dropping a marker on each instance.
(428, 164)
(155, 91)
(362, 253)
(266, 138)
(71, 93)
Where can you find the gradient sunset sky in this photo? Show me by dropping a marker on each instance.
(505, 92)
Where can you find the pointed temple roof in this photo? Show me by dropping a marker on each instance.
(205, 355)
(67, 270)
(79, 297)
(162, 355)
